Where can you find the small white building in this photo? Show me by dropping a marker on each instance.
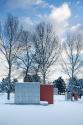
(27, 93)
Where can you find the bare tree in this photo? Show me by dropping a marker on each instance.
(47, 48)
(9, 44)
(72, 61)
(25, 57)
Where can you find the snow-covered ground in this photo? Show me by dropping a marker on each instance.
(60, 113)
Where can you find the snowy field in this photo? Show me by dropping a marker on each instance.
(60, 113)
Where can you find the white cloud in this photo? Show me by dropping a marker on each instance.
(61, 13)
(42, 3)
(75, 28)
(78, 28)
(13, 4)
(26, 22)
(59, 18)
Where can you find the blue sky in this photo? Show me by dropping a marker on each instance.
(32, 8)
(66, 14)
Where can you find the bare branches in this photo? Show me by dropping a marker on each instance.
(46, 46)
(9, 43)
(72, 49)
(26, 54)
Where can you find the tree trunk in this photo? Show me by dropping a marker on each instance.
(8, 95)
(72, 76)
(9, 80)
(44, 77)
(27, 71)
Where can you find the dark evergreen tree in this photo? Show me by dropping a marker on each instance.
(60, 84)
(5, 87)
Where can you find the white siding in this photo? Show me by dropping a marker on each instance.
(27, 93)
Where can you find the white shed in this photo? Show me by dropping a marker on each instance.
(27, 93)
